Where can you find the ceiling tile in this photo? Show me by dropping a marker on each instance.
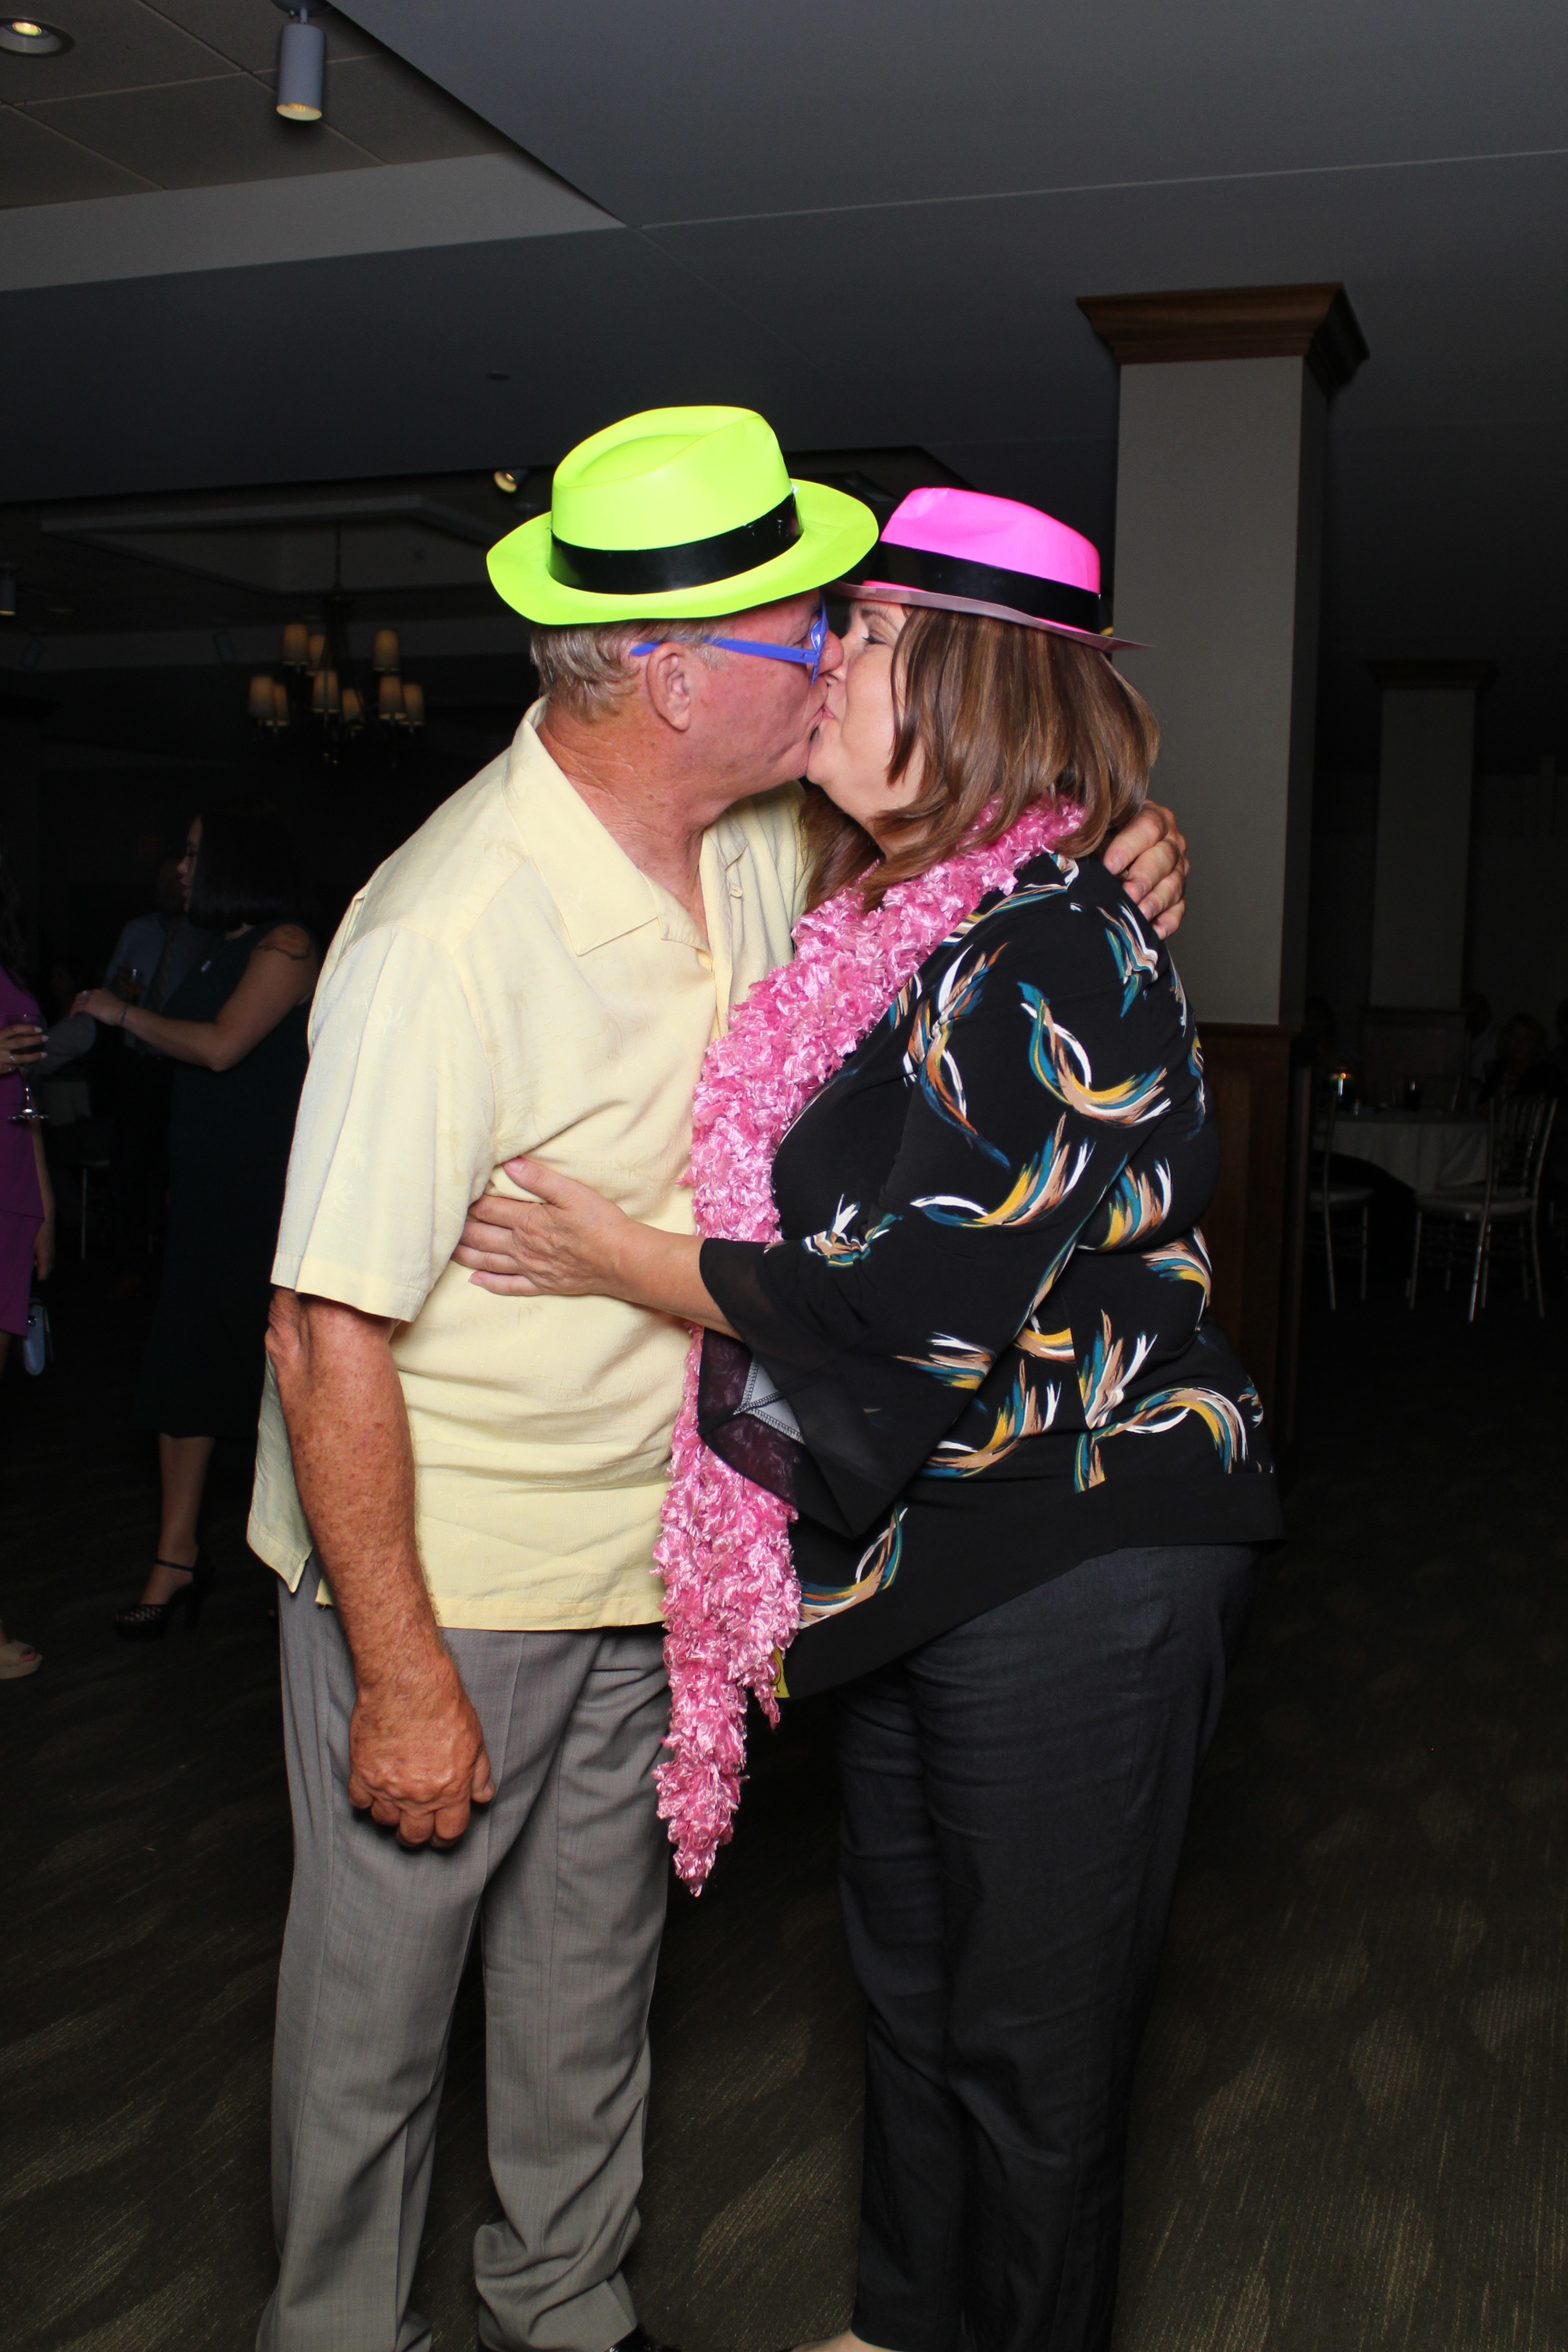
(246, 30)
(120, 44)
(383, 104)
(203, 134)
(38, 168)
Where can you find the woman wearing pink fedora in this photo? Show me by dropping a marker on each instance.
(957, 1418)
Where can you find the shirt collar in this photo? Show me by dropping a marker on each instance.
(598, 892)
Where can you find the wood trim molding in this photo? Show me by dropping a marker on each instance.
(1256, 1223)
(1234, 322)
(1476, 674)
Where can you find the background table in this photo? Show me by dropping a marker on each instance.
(1431, 1152)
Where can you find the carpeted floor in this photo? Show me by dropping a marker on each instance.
(1352, 2122)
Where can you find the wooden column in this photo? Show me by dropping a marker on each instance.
(1261, 1091)
(1221, 452)
(1218, 539)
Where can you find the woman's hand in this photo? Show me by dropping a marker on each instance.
(103, 1005)
(21, 1046)
(570, 1242)
(43, 1250)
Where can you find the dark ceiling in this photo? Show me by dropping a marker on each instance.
(872, 221)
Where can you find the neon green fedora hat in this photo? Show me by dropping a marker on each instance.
(677, 514)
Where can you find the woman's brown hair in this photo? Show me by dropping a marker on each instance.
(993, 711)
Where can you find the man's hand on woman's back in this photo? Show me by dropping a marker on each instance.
(1150, 857)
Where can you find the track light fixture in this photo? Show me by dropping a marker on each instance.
(301, 64)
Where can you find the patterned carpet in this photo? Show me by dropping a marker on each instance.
(1352, 2123)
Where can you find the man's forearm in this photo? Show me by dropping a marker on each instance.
(416, 1751)
(354, 1466)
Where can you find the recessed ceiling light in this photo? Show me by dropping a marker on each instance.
(26, 37)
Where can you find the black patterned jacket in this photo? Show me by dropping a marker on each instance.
(981, 1353)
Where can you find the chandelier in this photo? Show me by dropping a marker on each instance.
(319, 689)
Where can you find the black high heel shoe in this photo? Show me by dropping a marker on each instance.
(149, 1620)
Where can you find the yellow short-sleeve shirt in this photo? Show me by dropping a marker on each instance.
(509, 982)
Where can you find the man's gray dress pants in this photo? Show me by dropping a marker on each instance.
(565, 1873)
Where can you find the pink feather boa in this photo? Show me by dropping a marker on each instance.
(732, 1601)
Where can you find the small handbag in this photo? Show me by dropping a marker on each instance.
(38, 1343)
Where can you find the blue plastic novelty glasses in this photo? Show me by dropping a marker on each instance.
(809, 654)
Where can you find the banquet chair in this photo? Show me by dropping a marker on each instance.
(1326, 1200)
(1506, 1201)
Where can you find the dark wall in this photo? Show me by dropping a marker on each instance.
(124, 759)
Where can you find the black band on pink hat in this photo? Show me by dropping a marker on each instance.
(983, 583)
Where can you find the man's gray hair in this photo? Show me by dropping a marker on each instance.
(585, 671)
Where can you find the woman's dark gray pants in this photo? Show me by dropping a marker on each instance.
(1014, 1799)
(564, 1874)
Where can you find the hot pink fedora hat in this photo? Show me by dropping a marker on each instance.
(965, 552)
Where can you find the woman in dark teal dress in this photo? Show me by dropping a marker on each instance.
(235, 1030)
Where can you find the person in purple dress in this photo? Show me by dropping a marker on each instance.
(27, 1198)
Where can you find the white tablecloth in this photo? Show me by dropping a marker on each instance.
(1426, 1150)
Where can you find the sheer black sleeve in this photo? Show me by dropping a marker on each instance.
(1030, 1077)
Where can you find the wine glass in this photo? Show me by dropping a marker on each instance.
(29, 1115)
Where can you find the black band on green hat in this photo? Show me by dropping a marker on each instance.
(647, 571)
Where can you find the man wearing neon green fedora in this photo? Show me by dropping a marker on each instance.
(474, 1480)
